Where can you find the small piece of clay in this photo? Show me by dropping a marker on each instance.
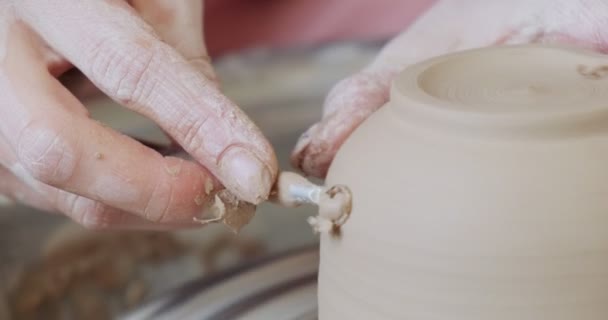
(208, 186)
(237, 213)
(198, 200)
(174, 170)
(593, 73)
(335, 204)
(320, 225)
(231, 115)
(216, 210)
(228, 209)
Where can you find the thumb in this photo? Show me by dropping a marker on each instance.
(348, 104)
(180, 25)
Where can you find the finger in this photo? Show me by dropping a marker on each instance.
(95, 215)
(179, 24)
(86, 212)
(349, 103)
(89, 213)
(69, 151)
(123, 57)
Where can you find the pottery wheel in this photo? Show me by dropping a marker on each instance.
(279, 287)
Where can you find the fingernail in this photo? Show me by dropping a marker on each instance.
(245, 175)
(6, 201)
(304, 139)
(302, 142)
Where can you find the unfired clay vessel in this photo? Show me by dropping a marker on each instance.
(480, 192)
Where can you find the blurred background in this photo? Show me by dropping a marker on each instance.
(51, 268)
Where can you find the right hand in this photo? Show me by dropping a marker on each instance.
(447, 26)
(148, 55)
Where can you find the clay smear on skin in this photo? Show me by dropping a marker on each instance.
(198, 200)
(595, 73)
(229, 210)
(174, 170)
(208, 186)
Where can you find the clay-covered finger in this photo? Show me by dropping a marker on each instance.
(65, 149)
(122, 55)
(349, 103)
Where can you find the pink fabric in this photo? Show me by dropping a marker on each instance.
(236, 24)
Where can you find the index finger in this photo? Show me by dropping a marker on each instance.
(121, 54)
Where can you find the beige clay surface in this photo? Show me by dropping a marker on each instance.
(479, 192)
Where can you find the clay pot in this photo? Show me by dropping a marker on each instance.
(480, 192)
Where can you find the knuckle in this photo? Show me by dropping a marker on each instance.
(123, 67)
(190, 132)
(46, 154)
(159, 201)
(88, 213)
(203, 64)
(96, 216)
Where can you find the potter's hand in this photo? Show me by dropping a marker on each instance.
(447, 26)
(149, 56)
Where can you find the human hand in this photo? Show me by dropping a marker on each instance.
(149, 56)
(446, 27)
